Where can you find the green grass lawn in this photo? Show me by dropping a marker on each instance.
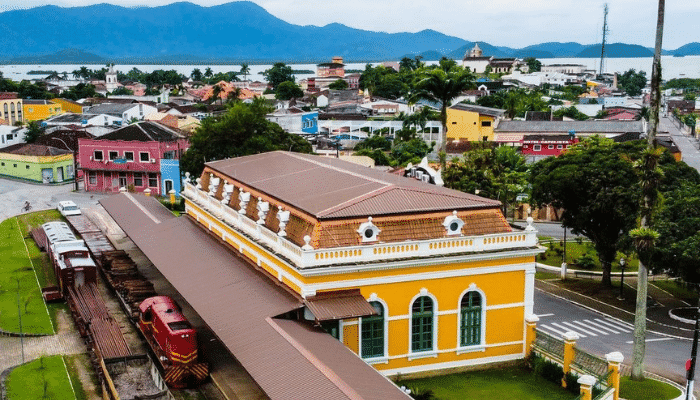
(507, 383)
(647, 389)
(45, 378)
(574, 251)
(23, 262)
(678, 290)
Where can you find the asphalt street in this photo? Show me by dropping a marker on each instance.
(600, 335)
(687, 144)
(13, 194)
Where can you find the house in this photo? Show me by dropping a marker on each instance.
(184, 123)
(332, 258)
(683, 106)
(36, 163)
(467, 122)
(127, 111)
(327, 73)
(141, 156)
(475, 60)
(295, 120)
(513, 132)
(537, 147)
(10, 135)
(10, 108)
(83, 120)
(69, 106)
(36, 110)
(570, 69)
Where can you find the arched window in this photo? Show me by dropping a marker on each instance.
(422, 324)
(373, 333)
(470, 323)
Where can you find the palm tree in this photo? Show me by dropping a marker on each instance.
(245, 70)
(216, 93)
(440, 86)
(649, 188)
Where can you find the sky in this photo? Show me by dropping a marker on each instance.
(512, 23)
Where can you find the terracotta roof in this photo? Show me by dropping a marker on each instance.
(329, 188)
(566, 126)
(27, 149)
(287, 359)
(339, 304)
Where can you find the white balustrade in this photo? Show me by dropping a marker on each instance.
(308, 257)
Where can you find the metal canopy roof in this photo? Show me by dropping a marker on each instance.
(287, 359)
(339, 304)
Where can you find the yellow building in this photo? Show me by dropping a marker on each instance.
(36, 110)
(470, 123)
(449, 282)
(68, 105)
(11, 111)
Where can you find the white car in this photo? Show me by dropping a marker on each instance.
(67, 208)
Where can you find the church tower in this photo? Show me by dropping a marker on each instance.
(111, 79)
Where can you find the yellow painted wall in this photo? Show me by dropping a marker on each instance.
(504, 325)
(68, 106)
(36, 112)
(11, 111)
(467, 126)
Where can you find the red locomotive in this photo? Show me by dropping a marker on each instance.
(173, 340)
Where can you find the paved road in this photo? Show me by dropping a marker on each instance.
(600, 334)
(687, 144)
(13, 194)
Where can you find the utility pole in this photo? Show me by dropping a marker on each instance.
(690, 366)
(605, 34)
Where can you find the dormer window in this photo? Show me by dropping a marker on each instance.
(368, 231)
(453, 224)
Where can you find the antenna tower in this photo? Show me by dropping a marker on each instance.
(605, 34)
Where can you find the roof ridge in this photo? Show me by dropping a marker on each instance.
(144, 131)
(334, 168)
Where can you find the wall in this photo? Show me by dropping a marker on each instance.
(69, 106)
(170, 170)
(36, 112)
(10, 114)
(30, 167)
(309, 122)
(467, 126)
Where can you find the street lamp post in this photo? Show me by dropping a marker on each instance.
(75, 161)
(622, 277)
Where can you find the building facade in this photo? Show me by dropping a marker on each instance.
(470, 123)
(36, 163)
(450, 283)
(537, 147)
(10, 109)
(36, 110)
(141, 156)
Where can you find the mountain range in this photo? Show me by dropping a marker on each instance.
(240, 31)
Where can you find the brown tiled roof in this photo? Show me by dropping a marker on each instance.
(27, 149)
(287, 359)
(339, 304)
(328, 188)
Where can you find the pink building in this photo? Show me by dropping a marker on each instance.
(145, 155)
(542, 146)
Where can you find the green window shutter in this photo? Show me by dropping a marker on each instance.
(422, 324)
(470, 325)
(373, 333)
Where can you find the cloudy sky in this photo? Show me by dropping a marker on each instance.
(513, 23)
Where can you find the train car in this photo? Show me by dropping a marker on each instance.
(71, 258)
(173, 340)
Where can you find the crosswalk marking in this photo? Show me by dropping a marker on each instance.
(602, 332)
(615, 325)
(577, 328)
(587, 327)
(601, 326)
(567, 329)
(549, 328)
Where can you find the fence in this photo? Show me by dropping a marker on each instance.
(599, 378)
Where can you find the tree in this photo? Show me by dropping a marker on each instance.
(208, 73)
(196, 75)
(339, 84)
(533, 64)
(649, 189)
(80, 91)
(245, 70)
(242, 130)
(411, 151)
(442, 87)
(571, 112)
(288, 90)
(122, 90)
(215, 94)
(597, 188)
(280, 72)
(632, 82)
(33, 132)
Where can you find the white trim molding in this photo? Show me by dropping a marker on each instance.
(385, 357)
(428, 353)
(452, 364)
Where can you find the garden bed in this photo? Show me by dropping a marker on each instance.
(580, 254)
(501, 383)
(647, 389)
(44, 378)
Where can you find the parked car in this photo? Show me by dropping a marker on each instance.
(67, 208)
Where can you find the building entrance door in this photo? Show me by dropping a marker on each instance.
(59, 174)
(46, 175)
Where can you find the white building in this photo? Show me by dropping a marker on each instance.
(127, 112)
(111, 83)
(10, 135)
(83, 120)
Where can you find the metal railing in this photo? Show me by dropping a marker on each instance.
(549, 344)
(591, 364)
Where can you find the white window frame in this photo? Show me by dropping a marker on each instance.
(132, 156)
(148, 156)
(94, 156)
(385, 358)
(550, 147)
(537, 147)
(477, 347)
(109, 154)
(413, 355)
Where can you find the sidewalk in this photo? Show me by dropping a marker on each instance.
(658, 319)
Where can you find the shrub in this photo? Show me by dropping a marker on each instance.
(586, 261)
(549, 370)
(572, 384)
